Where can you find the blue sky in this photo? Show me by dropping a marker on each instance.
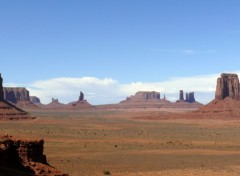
(128, 41)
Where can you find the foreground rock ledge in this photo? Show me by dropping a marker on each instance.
(24, 157)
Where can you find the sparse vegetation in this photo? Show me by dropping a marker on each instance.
(166, 145)
(106, 172)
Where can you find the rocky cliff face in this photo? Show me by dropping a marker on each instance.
(8, 111)
(1, 89)
(228, 86)
(189, 97)
(35, 100)
(181, 98)
(16, 94)
(25, 155)
(145, 95)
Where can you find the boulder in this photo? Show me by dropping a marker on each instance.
(228, 86)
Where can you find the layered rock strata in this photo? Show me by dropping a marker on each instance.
(228, 86)
(8, 111)
(16, 94)
(26, 156)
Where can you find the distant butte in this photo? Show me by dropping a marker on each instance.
(228, 86)
(8, 111)
(19, 96)
(226, 103)
(80, 104)
(55, 104)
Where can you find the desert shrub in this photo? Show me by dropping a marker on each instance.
(106, 172)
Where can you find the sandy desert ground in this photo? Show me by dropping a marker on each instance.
(89, 142)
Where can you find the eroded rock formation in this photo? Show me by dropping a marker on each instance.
(189, 97)
(26, 156)
(8, 111)
(80, 104)
(145, 95)
(16, 94)
(144, 99)
(181, 98)
(226, 103)
(228, 86)
(55, 104)
(81, 97)
(35, 100)
(1, 89)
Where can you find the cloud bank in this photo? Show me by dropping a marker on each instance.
(108, 90)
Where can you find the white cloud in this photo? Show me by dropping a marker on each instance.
(188, 51)
(185, 51)
(108, 90)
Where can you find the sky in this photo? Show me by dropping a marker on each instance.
(112, 49)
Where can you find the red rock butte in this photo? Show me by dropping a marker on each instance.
(25, 156)
(8, 111)
(227, 98)
(228, 86)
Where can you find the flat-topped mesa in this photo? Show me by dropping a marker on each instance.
(16, 94)
(146, 95)
(228, 86)
(81, 97)
(8, 111)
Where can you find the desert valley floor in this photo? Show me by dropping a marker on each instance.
(126, 142)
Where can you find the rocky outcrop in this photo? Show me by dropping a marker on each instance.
(26, 156)
(144, 99)
(55, 104)
(81, 97)
(226, 103)
(1, 89)
(189, 97)
(80, 104)
(144, 95)
(8, 111)
(19, 96)
(181, 98)
(16, 94)
(35, 100)
(228, 86)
